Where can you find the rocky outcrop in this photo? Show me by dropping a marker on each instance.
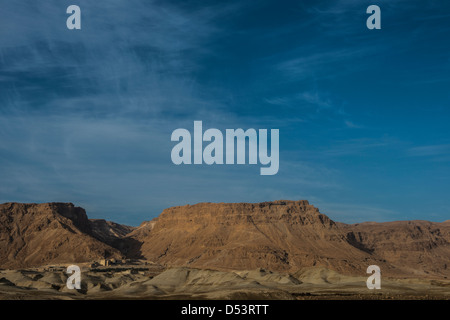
(48, 233)
(419, 248)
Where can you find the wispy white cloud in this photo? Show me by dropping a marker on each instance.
(352, 125)
(86, 116)
(359, 146)
(315, 100)
(429, 150)
(356, 213)
(120, 63)
(316, 64)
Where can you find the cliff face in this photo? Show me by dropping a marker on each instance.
(40, 234)
(417, 247)
(279, 235)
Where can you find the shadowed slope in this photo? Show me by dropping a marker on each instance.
(40, 234)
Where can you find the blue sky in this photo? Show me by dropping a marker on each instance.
(86, 115)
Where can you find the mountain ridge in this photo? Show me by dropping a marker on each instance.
(38, 234)
(282, 235)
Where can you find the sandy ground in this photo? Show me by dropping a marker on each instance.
(154, 282)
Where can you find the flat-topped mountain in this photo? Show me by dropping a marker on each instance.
(279, 235)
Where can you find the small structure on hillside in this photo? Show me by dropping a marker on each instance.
(105, 262)
(53, 268)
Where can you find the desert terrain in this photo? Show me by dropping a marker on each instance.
(272, 250)
(189, 283)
